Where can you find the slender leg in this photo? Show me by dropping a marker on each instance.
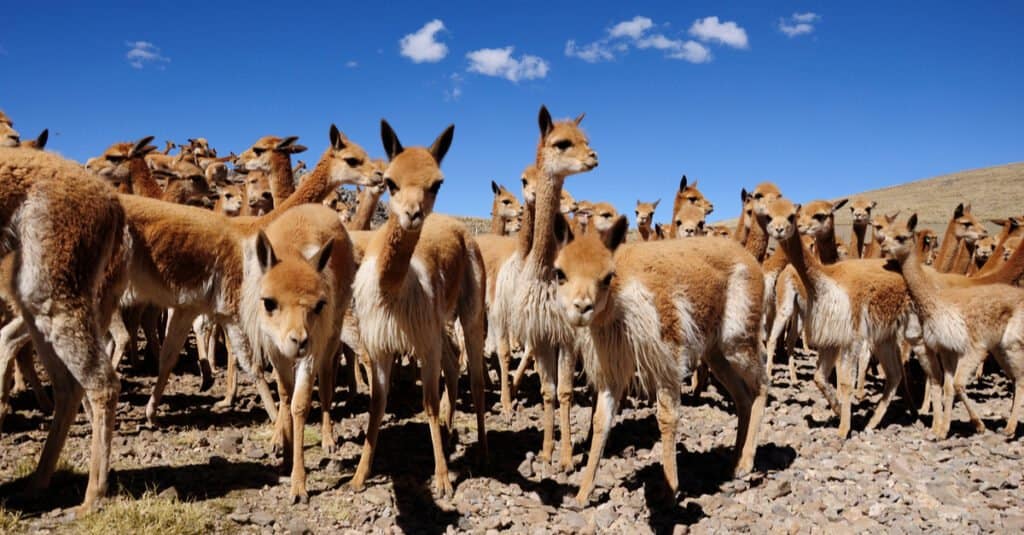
(964, 371)
(783, 314)
(826, 363)
(504, 362)
(327, 372)
(430, 374)
(604, 412)
(566, 373)
(231, 382)
(301, 402)
(668, 417)
(863, 363)
(25, 362)
(380, 380)
(844, 378)
(179, 323)
(889, 358)
(547, 368)
(524, 364)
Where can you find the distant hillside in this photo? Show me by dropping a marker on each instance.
(994, 192)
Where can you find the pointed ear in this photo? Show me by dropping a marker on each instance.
(874, 204)
(912, 222)
(338, 140)
(265, 252)
(655, 205)
(797, 207)
(838, 204)
(682, 183)
(296, 148)
(659, 231)
(392, 147)
(616, 234)
(579, 118)
(545, 122)
(140, 146)
(322, 257)
(959, 212)
(443, 142)
(967, 209)
(563, 230)
(288, 145)
(43, 137)
(744, 196)
(1014, 222)
(999, 222)
(892, 217)
(494, 187)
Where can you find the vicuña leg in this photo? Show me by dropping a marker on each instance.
(380, 381)
(178, 326)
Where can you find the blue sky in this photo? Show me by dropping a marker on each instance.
(823, 98)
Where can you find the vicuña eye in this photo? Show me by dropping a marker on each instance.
(319, 306)
(269, 304)
(607, 280)
(562, 144)
(353, 162)
(392, 187)
(258, 151)
(560, 276)
(436, 186)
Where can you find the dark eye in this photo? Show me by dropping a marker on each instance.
(270, 305)
(258, 151)
(700, 225)
(819, 217)
(353, 162)
(679, 223)
(693, 200)
(607, 280)
(229, 196)
(392, 187)
(792, 217)
(562, 144)
(758, 196)
(319, 307)
(115, 158)
(436, 187)
(637, 213)
(524, 183)
(560, 276)
(506, 202)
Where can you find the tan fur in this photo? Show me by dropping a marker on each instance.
(968, 230)
(65, 225)
(273, 155)
(961, 325)
(299, 304)
(688, 222)
(850, 303)
(366, 206)
(948, 245)
(653, 311)
(860, 213)
(504, 208)
(583, 217)
(604, 215)
(259, 198)
(417, 274)
(230, 200)
(689, 194)
(760, 198)
(645, 218)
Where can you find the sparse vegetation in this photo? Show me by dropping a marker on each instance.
(149, 514)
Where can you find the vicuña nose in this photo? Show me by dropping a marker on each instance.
(267, 195)
(583, 306)
(300, 339)
(414, 216)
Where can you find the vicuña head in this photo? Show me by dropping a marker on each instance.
(781, 215)
(983, 249)
(860, 211)
(762, 196)
(506, 206)
(689, 221)
(585, 273)
(689, 194)
(9, 137)
(969, 228)
(567, 205)
(529, 179)
(645, 212)
(899, 241)
(563, 149)
(293, 296)
(817, 218)
(882, 223)
(114, 164)
(260, 154)
(604, 215)
(413, 176)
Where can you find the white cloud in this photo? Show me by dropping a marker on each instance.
(635, 33)
(726, 33)
(499, 62)
(352, 64)
(631, 28)
(798, 24)
(142, 53)
(592, 53)
(452, 94)
(422, 45)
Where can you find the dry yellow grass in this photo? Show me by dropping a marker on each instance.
(148, 514)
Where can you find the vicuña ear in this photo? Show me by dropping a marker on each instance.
(494, 187)
(392, 147)
(874, 204)
(959, 212)
(838, 204)
(892, 217)
(41, 140)
(655, 205)
(579, 118)
(999, 222)
(140, 147)
(616, 234)
(563, 230)
(744, 196)
(659, 231)
(544, 119)
(443, 142)
(338, 140)
(265, 252)
(321, 258)
(682, 183)
(912, 222)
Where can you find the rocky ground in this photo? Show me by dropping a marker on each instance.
(204, 471)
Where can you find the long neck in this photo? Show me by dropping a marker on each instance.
(142, 179)
(757, 239)
(365, 209)
(497, 222)
(947, 248)
(776, 262)
(963, 257)
(525, 242)
(807, 266)
(1006, 273)
(395, 247)
(828, 251)
(545, 248)
(741, 228)
(644, 230)
(282, 181)
(860, 231)
(921, 287)
(314, 189)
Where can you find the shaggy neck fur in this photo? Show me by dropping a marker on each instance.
(757, 240)
(545, 246)
(922, 288)
(142, 181)
(395, 246)
(365, 208)
(282, 181)
(807, 266)
(314, 189)
(645, 230)
(948, 248)
(828, 250)
(962, 258)
(859, 247)
(525, 242)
